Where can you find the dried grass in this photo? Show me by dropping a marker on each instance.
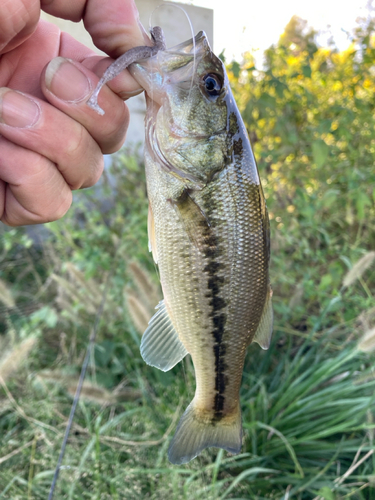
(367, 342)
(139, 314)
(74, 294)
(90, 391)
(6, 296)
(147, 290)
(142, 301)
(13, 360)
(358, 269)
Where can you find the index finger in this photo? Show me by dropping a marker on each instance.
(114, 25)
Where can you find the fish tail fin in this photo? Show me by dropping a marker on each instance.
(194, 434)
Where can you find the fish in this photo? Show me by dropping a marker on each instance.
(208, 231)
(209, 234)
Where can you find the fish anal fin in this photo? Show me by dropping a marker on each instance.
(193, 435)
(160, 345)
(151, 234)
(264, 331)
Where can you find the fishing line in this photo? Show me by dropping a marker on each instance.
(178, 7)
(80, 384)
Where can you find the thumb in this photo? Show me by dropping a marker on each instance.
(113, 25)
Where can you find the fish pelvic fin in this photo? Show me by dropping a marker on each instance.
(194, 434)
(264, 331)
(160, 345)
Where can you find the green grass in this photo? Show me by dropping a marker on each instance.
(304, 423)
(308, 402)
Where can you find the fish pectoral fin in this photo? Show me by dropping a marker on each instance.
(264, 331)
(194, 220)
(161, 346)
(151, 234)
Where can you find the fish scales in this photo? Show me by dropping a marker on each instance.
(209, 234)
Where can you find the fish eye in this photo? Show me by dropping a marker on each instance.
(212, 85)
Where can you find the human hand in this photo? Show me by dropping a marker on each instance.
(50, 141)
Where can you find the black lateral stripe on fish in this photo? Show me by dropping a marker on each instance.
(215, 282)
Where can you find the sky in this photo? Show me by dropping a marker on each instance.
(241, 25)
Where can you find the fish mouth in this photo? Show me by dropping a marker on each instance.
(190, 45)
(173, 66)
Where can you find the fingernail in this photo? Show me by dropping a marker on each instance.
(18, 110)
(66, 81)
(126, 95)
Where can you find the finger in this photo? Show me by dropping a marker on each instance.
(124, 84)
(114, 26)
(17, 22)
(68, 85)
(36, 125)
(21, 68)
(32, 191)
(66, 9)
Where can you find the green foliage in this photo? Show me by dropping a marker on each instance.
(310, 115)
(308, 402)
(297, 37)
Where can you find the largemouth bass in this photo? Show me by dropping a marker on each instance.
(209, 234)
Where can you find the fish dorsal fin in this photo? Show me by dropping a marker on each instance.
(264, 331)
(161, 346)
(151, 235)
